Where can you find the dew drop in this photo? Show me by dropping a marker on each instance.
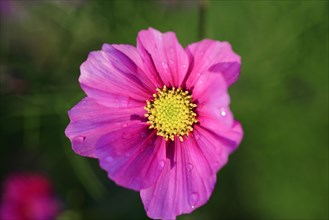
(164, 65)
(162, 163)
(171, 61)
(194, 199)
(183, 66)
(124, 125)
(189, 167)
(80, 139)
(222, 112)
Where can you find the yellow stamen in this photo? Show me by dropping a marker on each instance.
(171, 113)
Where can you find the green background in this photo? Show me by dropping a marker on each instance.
(280, 170)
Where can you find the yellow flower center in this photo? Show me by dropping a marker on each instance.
(171, 113)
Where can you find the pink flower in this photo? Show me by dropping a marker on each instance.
(28, 197)
(157, 117)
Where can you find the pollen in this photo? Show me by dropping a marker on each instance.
(171, 113)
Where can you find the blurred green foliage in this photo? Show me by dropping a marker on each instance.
(279, 172)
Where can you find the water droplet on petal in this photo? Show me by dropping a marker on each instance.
(80, 139)
(171, 61)
(189, 167)
(222, 112)
(194, 199)
(164, 65)
(183, 66)
(124, 125)
(162, 163)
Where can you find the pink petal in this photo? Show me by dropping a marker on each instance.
(217, 147)
(111, 72)
(186, 182)
(163, 52)
(230, 71)
(112, 100)
(91, 120)
(133, 156)
(235, 135)
(210, 93)
(141, 72)
(214, 56)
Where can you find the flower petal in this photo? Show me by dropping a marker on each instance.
(215, 56)
(133, 156)
(217, 147)
(90, 121)
(230, 71)
(186, 182)
(210, 93)
(163, 51)
(141, 71)
(111, 72)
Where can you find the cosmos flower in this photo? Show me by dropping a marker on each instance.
(157, 118)
(28, 197)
